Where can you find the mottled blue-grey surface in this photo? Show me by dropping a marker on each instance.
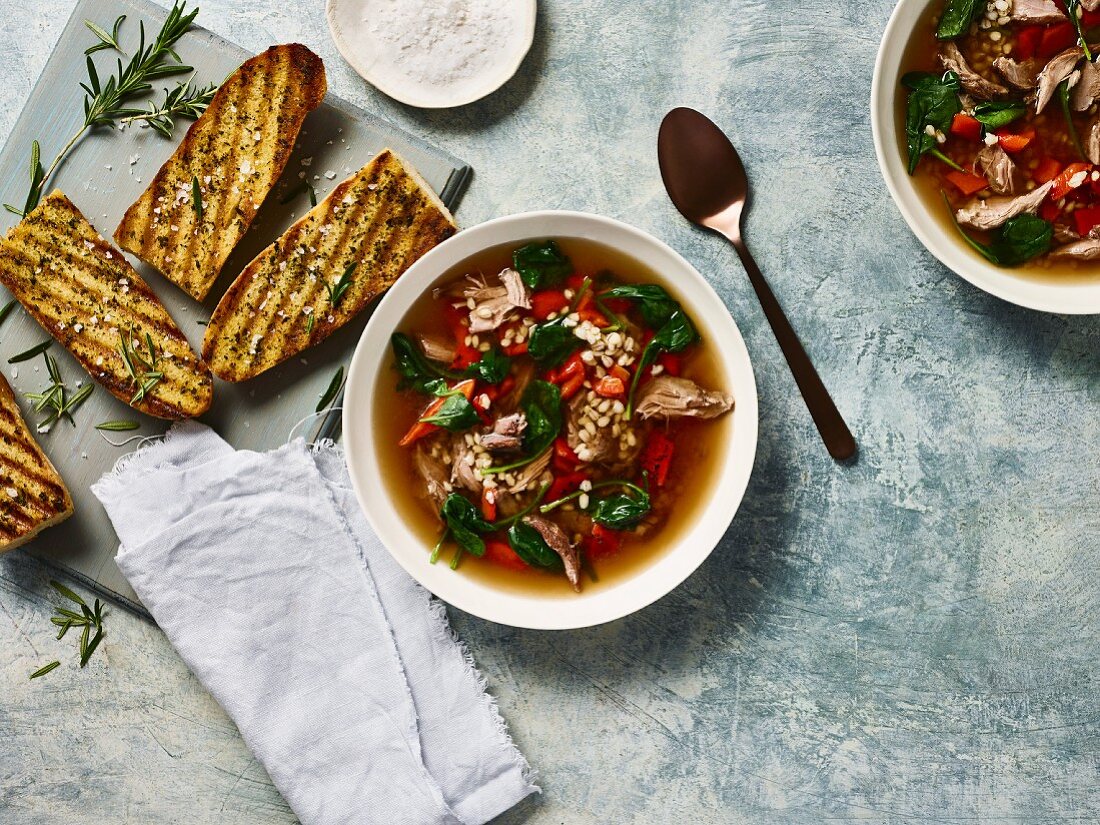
(910, 639)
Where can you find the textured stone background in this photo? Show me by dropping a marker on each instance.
(911, 639)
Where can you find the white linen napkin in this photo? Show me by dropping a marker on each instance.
(340, 671)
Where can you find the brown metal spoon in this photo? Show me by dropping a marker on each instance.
(707, 183)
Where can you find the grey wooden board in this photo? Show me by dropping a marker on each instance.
(106, 172)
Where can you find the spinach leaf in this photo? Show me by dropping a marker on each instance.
(994, 114)
(933, 101)
(532, 547)
(677, 334)
(551, 343)
(655, 304)
(1020, 239)
(418, 371)
(957, 17)
(465, 523)
(456, 414)
(493, 367)
(622, 511)
(541, 404)
(541, 264)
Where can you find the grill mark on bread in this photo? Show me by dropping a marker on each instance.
(269, 94)
(40, 499)
(78, 282)
(383, 230)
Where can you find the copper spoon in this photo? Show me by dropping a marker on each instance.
(707, 183)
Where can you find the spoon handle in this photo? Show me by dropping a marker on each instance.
(834, 432)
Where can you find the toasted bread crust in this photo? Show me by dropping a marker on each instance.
(236, 151)
(88, 297)
(32, 494)
(381, 219)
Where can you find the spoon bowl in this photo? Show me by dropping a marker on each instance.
(706, 181)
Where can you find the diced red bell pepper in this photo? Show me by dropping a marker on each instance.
(1012, 141)
(656, 457)
(500, 553)
(572, 386)
(564, 459)
(422, 428)
(546, 301)
(1055, 39)
(1069, 179)
(457, 322)
(966, 182)
(602, 542)
(1089, 18)
(593, 316)
(564, 484)
(1027, 42)
(515, 349)
(488, 504)
(620, 306)
(672, 363)
(1047, 169)
(610, 387)
(570, 369)
(1085, 218)
(966, 127)
(1049, 211)
(575, 281)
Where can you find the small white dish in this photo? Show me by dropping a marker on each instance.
(687, 550)
(1074, 295)
(368, 35)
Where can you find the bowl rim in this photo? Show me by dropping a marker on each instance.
(1077, 297)
(693, 544)
(401, 94)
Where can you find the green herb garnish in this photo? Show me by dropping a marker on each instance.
(309, 323)
(336, 291)
(1063, 99)
(1073, 11)
(87, 618)
(143, 368)
(28, 354)
(6, 310)
(196, 198)
(107, 39)
(329, 394)
(119, 426)
(184, 101)
(54, 397)
(103, 100)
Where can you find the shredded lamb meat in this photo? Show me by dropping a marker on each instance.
(1036, 11)
(556, 539)
(493, 304)
(997, 168)
(1023, 75)
(993, 212)
(953, 61)
(506, 435)
(437, 349)
(1061, 67)
(667, 397)
(1087, 89)
(1086, 249)
(433, 472)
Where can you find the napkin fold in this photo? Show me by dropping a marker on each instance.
(341, 673)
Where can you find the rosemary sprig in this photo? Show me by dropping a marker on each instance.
(120, 426)
(28, 354)
(304, 186)
(336, 291)
(196, 198)
(103, 101)
(143, 368)
(309, 322)
(184, 101)
(87, 618)
(107, 40)
(54, 398)
(333, 388)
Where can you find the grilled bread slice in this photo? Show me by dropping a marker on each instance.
(90, 299)
(32, 494)
(233, 155)
(325, 268)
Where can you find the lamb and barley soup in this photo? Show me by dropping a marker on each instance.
(1002, 127)
(556, 414)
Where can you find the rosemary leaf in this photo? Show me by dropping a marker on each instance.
(64, 629)
(309, 323)
(336, 291)
(84, 637)
(26, 355)
(66, 592)
(196, 204)
(42, 671)
(107, 40)
(88, 649)
(117, 426)
(6, 310)
(333, 388)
